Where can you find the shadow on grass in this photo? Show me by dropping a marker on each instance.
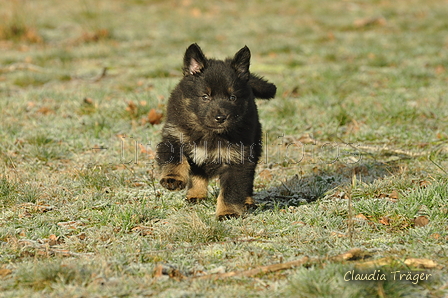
(297, 190)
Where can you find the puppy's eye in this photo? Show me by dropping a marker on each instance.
(232, 98)
(205, 97)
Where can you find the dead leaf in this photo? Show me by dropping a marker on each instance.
(45, 111)
(421, 263)
(5, 272)
(424, 183)
(88, 101)
(385, 220)
(154, 117)
(81, 236)
(361, 216)
(394, 195)
(132, 108)
(421, 221)
(435, 236)
(54, 240)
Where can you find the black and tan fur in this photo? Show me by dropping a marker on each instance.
(212, 130)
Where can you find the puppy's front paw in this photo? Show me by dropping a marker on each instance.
(227, 216)
(228, 211)
(193, 200)
(173, 183)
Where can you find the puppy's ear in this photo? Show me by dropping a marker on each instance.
(262, 88)
(241, 63)
(194, 60)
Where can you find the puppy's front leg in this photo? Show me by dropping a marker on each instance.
(236, 192)
(174, 166)
(175, 176)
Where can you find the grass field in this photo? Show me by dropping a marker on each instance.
(353, 177)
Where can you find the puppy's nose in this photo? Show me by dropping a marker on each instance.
(220, 118)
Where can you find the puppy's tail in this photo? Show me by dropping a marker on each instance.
(262, 88)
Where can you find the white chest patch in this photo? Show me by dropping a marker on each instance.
(222, 154)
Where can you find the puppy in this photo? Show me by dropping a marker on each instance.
(212, 130)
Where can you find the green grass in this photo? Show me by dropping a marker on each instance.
(356, 148)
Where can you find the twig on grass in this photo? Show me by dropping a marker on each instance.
(353, 254)
(258, 270)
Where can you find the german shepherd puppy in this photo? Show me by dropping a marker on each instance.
(212, 130)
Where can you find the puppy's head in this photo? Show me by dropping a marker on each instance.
(221, 93)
